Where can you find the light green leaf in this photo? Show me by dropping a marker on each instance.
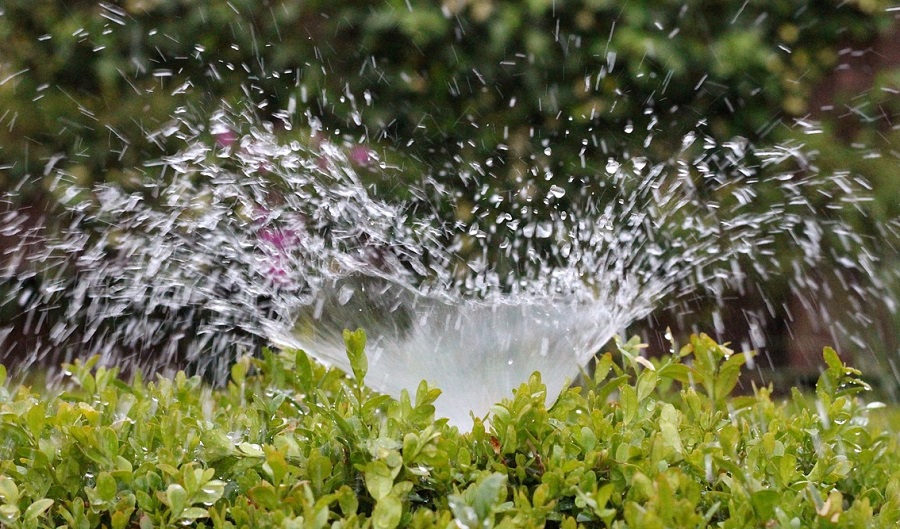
(209, 492)
(176, 498)
(264, 495)
(193, 513)
(37, 508)
(304, 371)
(379, 479)
(679, 372)
(646, 384)
(9, 493)
(106, 487)
(321, 517)
(387, 513)
(764, 503)
(251, 449)
(487, 494)
(120, 519)
(588, 439)
(347, 500)
(355, 342)
(239, 371)
(833, 360)
(669, 421)
(628, 401)
(318, 468)
(9, 512)
(276, 465)
(601, 370)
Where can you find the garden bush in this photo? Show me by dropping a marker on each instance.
(288, 443)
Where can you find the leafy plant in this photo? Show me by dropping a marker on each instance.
(289, 443)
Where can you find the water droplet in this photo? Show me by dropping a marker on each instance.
(345, 294)
(612, 166)
(557, 192)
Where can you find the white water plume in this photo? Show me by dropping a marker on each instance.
(284, 241)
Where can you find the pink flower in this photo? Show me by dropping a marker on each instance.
(360, 155)
(226, 138)
(278, 238)
(276, 245)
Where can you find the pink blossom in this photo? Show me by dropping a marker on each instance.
(278, 238)
(226, 138)
(360, 155)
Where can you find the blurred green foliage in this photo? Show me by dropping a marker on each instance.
(93, 87)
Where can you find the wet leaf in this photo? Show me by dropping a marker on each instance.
(379, 479)
(355, 342)
(36, 509)
(387, 513)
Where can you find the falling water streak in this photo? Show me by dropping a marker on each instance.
(284, 242)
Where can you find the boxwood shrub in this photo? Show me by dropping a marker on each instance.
(289, 443)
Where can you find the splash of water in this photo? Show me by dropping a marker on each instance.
(246, 236)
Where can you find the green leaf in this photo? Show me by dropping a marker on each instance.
(604, 391)
(669, 423)
(318, 469)
(275, 465)
(355, 342)
(209, 492)
(264, 495)
(375, 403)
(347, 500)
(601, 370)
(304, 371)
(462, 511)
(9, 512)
(193, 513)
(176, 498)
(9, 493)
(628, 401)
(37, 508)
(764, 504)
(251, 450)
(679, 372)
(239, 372)
(646, 384)
(487, 494)
(216, 445)
(729, 373)
(36, 418)
(145, 501)
(106, 487)
(320, 516)
(833, 360)
(387, 513)
(588, 439)
(120, 519)
(379, 479)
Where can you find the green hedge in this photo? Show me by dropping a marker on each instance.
(490, 96)
(287, 443)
